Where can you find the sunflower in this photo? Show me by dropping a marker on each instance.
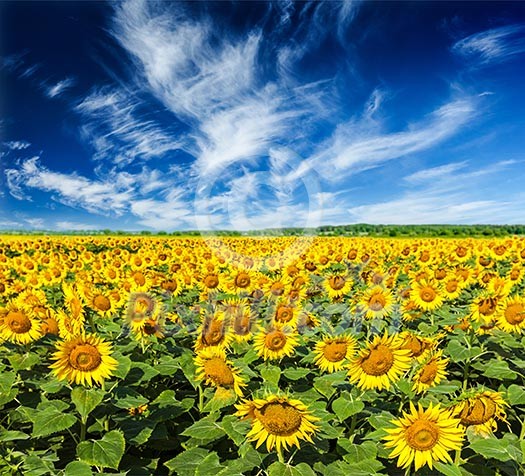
(377, 302)
(213, 367)
(424, 436)
(214, 332)
(430, 373)
(85, 360)
(275, 342)
(383, 361)
(18, 325)
(72, 301)
(99, 300)
(337, 285)
(427, 294)
(481, 411)
(512, 316)
(332, 353)
(419, 346)
(280, 421)
(485, 308)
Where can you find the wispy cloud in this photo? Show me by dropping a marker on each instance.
(495, 45)
(60, 87)
(74, 226)
(435, 173)
(17, 144)
(119, 132)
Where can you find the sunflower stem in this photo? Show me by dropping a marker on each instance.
(353, 423)
(83, 428)
(407, 471)
(92, 323)
(457, 459)
(522, 433)
(201, 399)
(280, 456)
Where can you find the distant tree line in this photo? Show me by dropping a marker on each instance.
(360, 229)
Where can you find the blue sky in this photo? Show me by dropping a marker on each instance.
(172, 116)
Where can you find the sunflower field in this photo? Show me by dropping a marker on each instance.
(262, 356)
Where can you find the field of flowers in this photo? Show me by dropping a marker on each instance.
(262, 356)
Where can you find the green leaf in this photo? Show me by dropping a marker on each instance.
(167, 365)
(86, 400)
(358, 453)
(236, 429)
(12, 435)
(296, 374)
(24, 361)
(345, 406)
(186, 462)
(209, 466)
(126, 398)
(124, 365)
(204, 429)
(458, 351)
(78, 468)
(38, 466)
(141, 372)
(448, 469)
(499, 369)
(49, 421)
(270, 374)
(516, 395)
(493, 448)
(281, 469)
(7, 380)
(105, 453)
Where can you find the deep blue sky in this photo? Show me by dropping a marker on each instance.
(144, 115)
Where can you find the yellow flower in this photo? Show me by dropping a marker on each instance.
(18, 325)
(377, 302)
(481, 412)
(275, 342)
(512, 316)
(424, 436)
(279, 421)
(380, 364)
(337, 285)
(332, 353)
(214, 332)
(84, 360)
(430, 373)
(427, 294)
(216, 370)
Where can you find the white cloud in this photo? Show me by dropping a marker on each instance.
(118, 131)
(354, 148)
(435, 173)
(17, 144)
(59, 88)
(493, 45)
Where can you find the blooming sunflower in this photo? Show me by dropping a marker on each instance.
(18, 325)
(427, 294)
(332, 353)
(279, 421)
(377, 302)
(337, 285)
(430, 373)
(481, 411)
(424, 436)
(275, 342)
(85, 360)
(214, 332)
(383, 361)
(512, 317)
(213, 367)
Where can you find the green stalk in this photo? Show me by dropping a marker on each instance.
(280, 455)
(83, 427)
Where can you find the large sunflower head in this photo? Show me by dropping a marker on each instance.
(214, 332)
(275, 342)
(424, 436)
(332, 353)
(337, 285)
(377, 302)
(431, 372)
(481, 411)
(213, 367)
(512, 316)
(427, 294)
(380, 364)
(279, 421)
(18, 325)
(84, 359)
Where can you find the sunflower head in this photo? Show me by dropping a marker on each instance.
(279, 421)
(424, 436)
(84, 360)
